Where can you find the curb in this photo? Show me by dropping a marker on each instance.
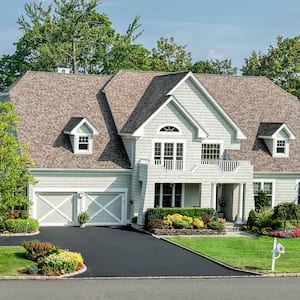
(19, 234)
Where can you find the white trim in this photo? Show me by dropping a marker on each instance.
(173, 141)
(239, 134)
(284, 127)
(179, 132)
(79, 171)
(220, 142)
(182, 194)
(83, 121)
(265, 180)
(201, 132)
(286, 148)
(90, 144)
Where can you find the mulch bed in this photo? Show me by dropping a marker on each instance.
(187, 232)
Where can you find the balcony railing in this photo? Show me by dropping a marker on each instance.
(191, 166)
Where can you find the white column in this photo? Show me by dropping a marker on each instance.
(161, 195)
(213, 195)
(182, 194)
(239, 219)
(173, 194)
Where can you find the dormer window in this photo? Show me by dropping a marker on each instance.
(83, 143)
(81, 133)
(281, 147)
(277, 137)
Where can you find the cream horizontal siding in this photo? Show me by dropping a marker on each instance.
(207, 116)
(94, 180)
(285, 185)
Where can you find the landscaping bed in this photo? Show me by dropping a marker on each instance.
(186, 231)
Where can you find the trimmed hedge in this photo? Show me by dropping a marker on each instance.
(161, 212)
(21, 225)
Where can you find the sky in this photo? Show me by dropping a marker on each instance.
(219, 29)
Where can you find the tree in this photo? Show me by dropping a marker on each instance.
(281, 64)
(214, 67)
(286, 211)
(170, 57)
(70, 33)
(14, 161)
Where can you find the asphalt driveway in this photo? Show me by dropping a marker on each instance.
(121, 252)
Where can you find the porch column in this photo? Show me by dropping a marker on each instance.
(214, 196)
(239, 219)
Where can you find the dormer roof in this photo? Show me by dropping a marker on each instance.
(269, 130)
(76, 122)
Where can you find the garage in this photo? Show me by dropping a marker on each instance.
(60, 208)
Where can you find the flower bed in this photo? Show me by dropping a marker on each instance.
(293, 233)
(50, 259)
(183, 231)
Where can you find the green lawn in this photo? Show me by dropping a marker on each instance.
(12, 261)
(246, 253)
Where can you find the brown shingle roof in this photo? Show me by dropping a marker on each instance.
(46, 102)
(268, 129)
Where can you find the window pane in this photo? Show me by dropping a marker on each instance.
(210, 151)
(268, 187)
(281, 145)
(169, 129)
(179, 151)
(256, 187)
(157, 153)
(168, 153)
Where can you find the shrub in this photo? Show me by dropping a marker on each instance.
(262, 202)
(36, 250)
(75, 255)
(180, 224)
(197, 223)
(32, 270)
(286, 211)
(206, 219)
(158, 223)
(162, 212)
(216, 226)
(252, 218)
(58, 264)
(171, 220)
(264, 219)
(83, 217)
(21, 225)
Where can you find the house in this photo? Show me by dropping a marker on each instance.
(115, 146)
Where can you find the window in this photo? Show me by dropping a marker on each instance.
(210, 151)
(83, 143)
(281, 147)
(298, 193)
(263, 194)
(169, 154)
(168, 195)
(169, 128)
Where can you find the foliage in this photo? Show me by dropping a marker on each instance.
(83, 217)
(21, 225)
(215, 225)
(169, 56)
(252, 218)
(56, 264)
(286, 211)
(14, 161)
(295, 232)
(206, 219)
(197, 223)
(214, 66)
(281, 64)
(178, 221)
(32, 270)
(262, 202)
(75, 255)
(156, 223)
(161, 212)
(37, 251)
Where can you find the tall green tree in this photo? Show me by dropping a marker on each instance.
(281, 64)
(169, 56)
(14, 161)
(215, 66)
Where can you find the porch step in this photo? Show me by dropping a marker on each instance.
(232, 227)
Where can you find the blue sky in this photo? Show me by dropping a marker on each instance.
(216, 29)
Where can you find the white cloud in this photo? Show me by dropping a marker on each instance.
(213, 54)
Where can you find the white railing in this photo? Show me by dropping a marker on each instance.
(191, 166)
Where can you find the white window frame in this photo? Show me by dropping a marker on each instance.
(221, 143)
(286, 148)
(170, 132)
(164, 141)
(173, 194)
(262, 182)
(90, 144)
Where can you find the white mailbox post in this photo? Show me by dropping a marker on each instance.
(277, 249)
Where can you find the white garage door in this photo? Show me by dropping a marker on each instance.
(61, 208)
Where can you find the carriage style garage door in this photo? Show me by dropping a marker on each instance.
(55, 208)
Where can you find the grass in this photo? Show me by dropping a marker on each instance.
(246, 253)
(12, 261)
